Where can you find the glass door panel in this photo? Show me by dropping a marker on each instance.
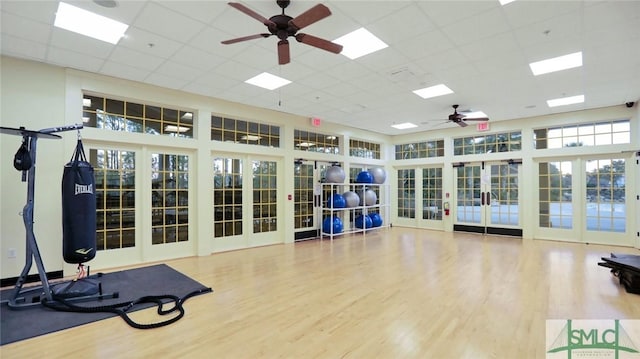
(487, 198)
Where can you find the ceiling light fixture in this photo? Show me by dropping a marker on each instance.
(86, 23)
(505, 2)
(359, 43)
(268, 81)
(404, 126)
(250, 138)
(433, 91)
(556, 64)
(565, 101)
(475, 114)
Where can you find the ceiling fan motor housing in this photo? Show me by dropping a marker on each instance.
(282, 29)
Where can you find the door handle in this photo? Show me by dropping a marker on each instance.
(488, 200)
(482, 198)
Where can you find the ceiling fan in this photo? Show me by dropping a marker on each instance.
(284, 26)
(460, 118)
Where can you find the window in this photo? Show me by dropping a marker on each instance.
(227, 197)
(315, 142)
(364, 149)
(304, 198)
(128, 116)
(114, 173)
(406, 193)
(245, 132)
(605, 193)
(420, 150)
(169, 198)
(588, 134)
(432, 193)
(499, 142)
(555, 196)
(265, 196)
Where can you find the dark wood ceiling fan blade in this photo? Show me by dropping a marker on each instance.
(310, 16)
(462, 123)
(252, 13)
(283, 52)
(319, 43)
(244, 38)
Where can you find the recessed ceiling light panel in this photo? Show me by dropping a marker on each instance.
(86, 23)
(433, 91)
(556, 64)
(565, 101)
(359, 43)
(404, 126)
(268, 81)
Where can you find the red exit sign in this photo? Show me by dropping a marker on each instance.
(315, 122)
(482, 126)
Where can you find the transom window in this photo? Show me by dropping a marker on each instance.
(316, 142)
(364, 149)
(498, 142)
(420, 150)
(129, 116)
(246, 132)
(588, 134)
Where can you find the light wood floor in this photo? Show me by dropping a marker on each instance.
(396, 293)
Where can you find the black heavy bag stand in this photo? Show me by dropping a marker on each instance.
(25, 161)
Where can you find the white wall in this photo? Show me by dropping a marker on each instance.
(39, 96)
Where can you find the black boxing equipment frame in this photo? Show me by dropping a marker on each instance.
(33, 296)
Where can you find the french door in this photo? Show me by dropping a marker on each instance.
(308, 175)
(586, 199)
(487, 198)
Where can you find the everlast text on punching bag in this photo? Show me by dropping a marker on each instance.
(78, 209)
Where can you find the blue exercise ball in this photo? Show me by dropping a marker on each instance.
(364, 177)
(376, 219)
(336, 200)
(363, 222)
(332, 225)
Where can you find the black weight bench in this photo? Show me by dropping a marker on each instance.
(627, 268)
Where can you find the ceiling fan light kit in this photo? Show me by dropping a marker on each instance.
(284, 26)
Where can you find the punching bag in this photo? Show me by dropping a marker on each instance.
(78, 209)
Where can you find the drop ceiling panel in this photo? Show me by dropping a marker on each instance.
(115, 69)
(167, 23)
(22, 48)
(71, 41)
(134, 58)
(149, 43)
(75, 60)
(41, 11)
(480, 49)
(19, 26)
